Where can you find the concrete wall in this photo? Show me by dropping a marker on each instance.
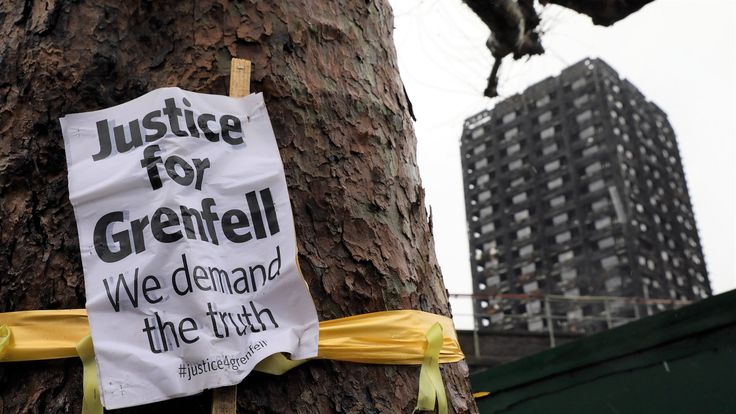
(496, 348)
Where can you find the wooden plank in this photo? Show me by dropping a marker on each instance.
(224, 400)
(239, 77)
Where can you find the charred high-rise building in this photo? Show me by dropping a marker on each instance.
(574, 188)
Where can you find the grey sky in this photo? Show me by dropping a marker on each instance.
(679, 53)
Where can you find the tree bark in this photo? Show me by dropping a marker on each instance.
(329, 75)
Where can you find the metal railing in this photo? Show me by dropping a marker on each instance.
(561, 314)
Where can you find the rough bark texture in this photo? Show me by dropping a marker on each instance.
(329, 74)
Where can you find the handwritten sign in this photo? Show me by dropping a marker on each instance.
(187, 242)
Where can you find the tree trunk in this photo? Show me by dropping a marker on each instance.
(330, 79)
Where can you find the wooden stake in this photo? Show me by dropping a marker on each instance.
(224, 400)
(239, 77)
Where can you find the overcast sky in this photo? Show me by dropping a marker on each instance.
(679, 53)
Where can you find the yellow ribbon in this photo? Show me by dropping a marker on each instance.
(4, 340)
(431, 388)
(277, 364)
(91, 403)
(406, 337)
(44, 334)
(389, 337)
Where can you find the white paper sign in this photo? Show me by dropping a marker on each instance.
(187, 242)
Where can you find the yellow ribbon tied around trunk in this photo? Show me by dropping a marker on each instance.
(91, 403)
(431, 388)
(405, 337)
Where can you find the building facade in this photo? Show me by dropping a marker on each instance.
(574, 189)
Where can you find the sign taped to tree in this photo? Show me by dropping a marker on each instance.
(187, 242)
